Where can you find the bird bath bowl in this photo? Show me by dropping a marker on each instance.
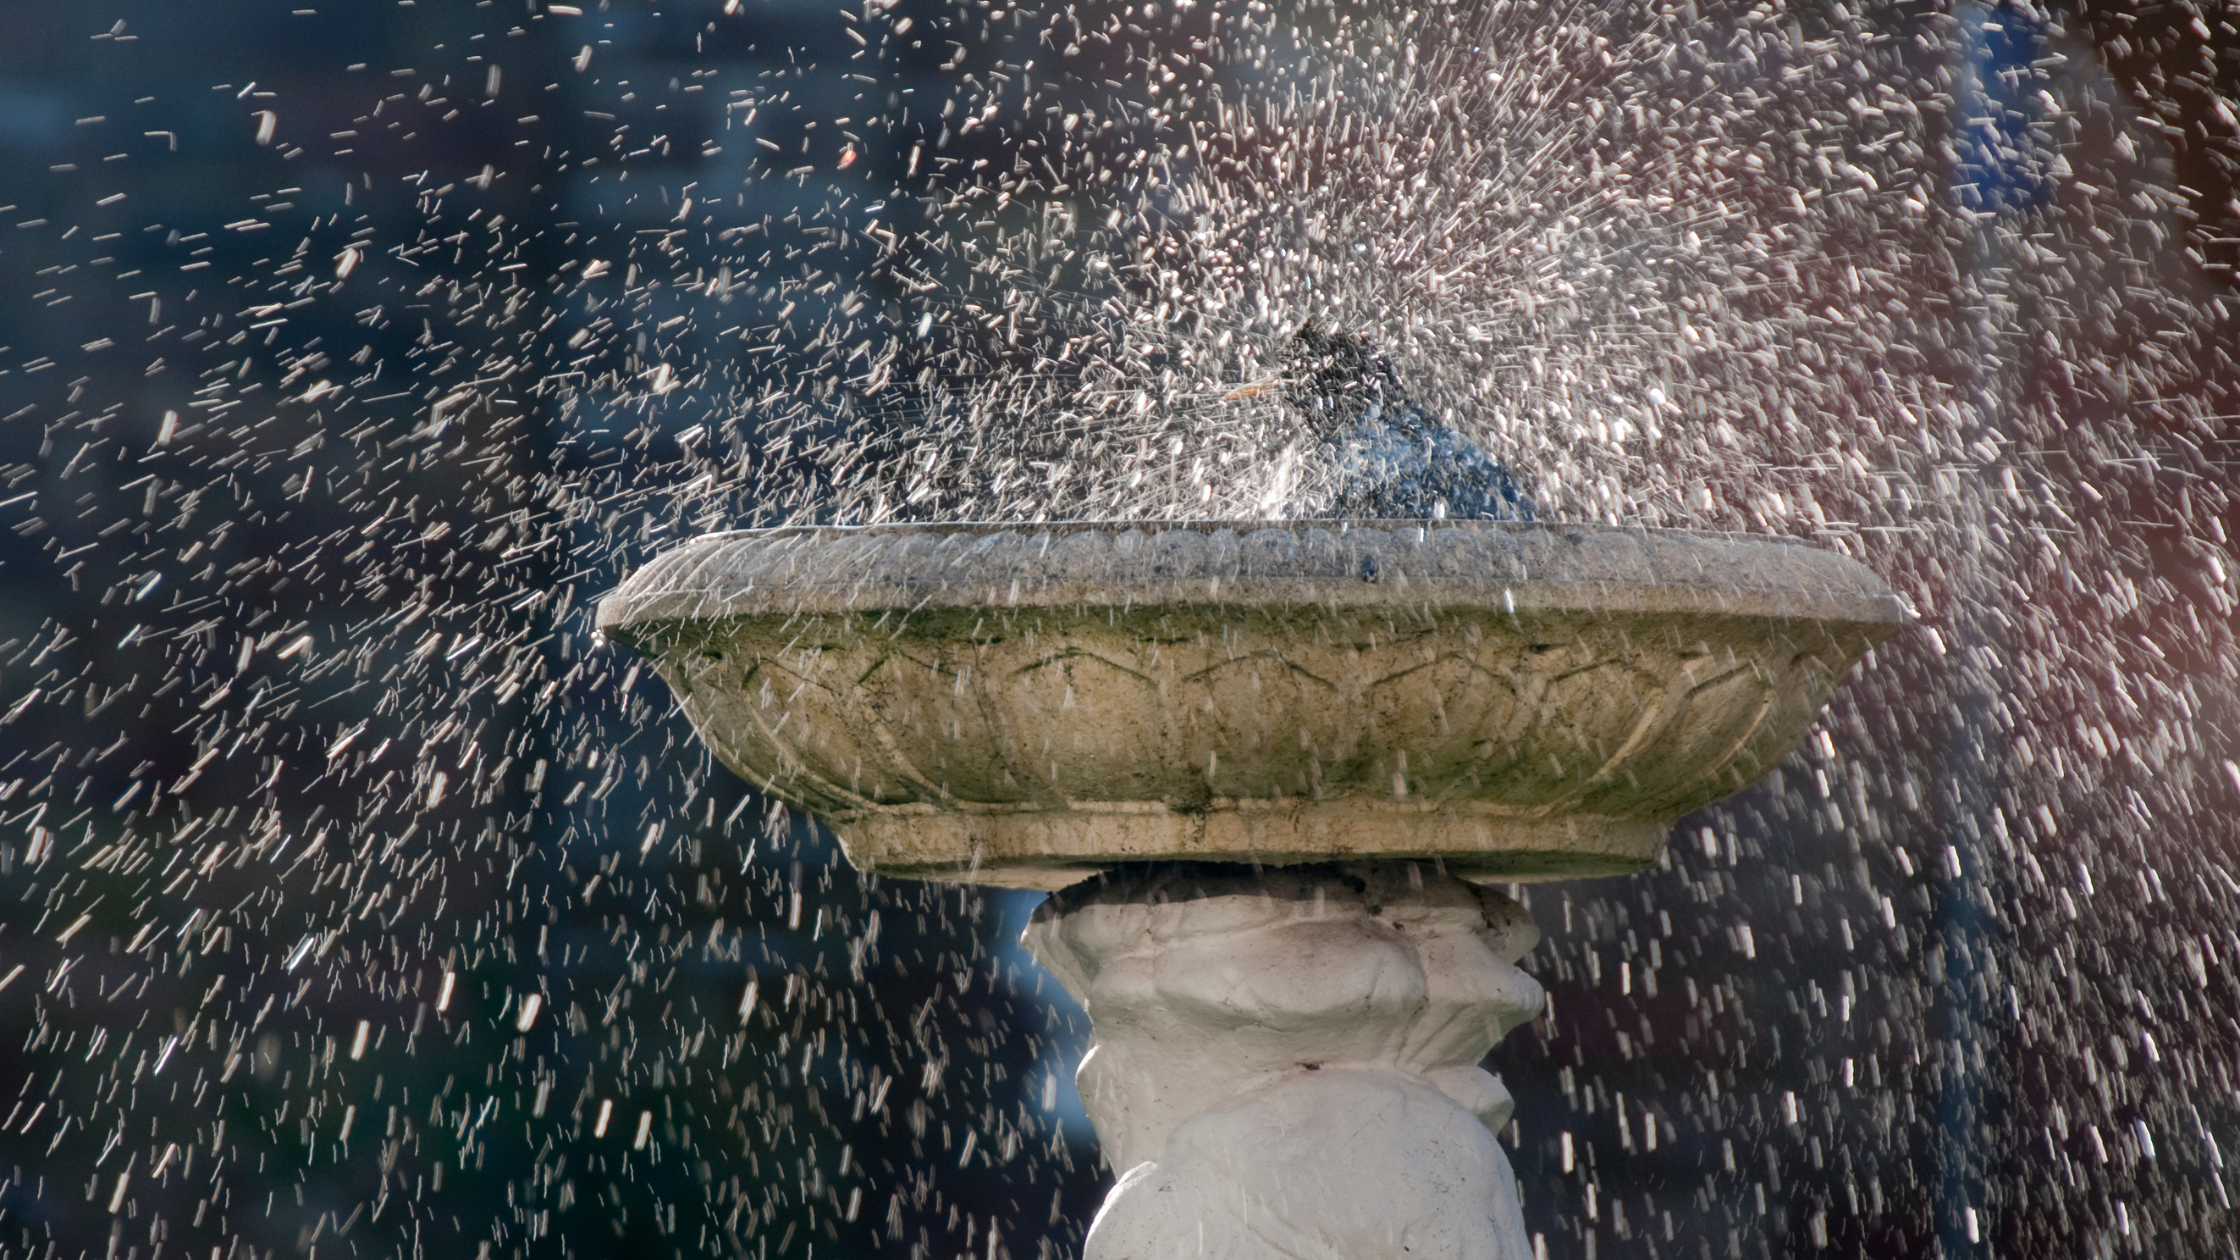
(1400, 711)
(1028, 704)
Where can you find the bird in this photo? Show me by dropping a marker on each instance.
(1372, 452)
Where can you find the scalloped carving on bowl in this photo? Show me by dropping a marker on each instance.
(1028, 704)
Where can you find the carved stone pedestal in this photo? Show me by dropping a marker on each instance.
(1332, 720)
(1287, 1062)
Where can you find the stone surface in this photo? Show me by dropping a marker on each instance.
(1287, 1062)
(1029, 704)
(1340, 726)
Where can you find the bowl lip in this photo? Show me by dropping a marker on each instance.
(1769, 577)
(1241, 524)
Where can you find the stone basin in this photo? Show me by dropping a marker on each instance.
(1030, 704)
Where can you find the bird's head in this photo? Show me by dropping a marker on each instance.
(1328, 378)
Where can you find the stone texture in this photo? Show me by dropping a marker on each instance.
(1029, 704)
(1287, 1062)
(1287, 1046)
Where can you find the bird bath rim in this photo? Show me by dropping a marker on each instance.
(1846, 591)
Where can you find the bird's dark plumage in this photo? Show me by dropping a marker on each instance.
(1375, 451)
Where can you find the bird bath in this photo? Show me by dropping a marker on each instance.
(1270, 767)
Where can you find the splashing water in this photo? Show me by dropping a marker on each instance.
(1374, 452)
(362, 900)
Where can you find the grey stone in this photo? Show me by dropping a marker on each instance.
(1028, 704)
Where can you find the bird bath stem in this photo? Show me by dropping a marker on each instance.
(1270, 766)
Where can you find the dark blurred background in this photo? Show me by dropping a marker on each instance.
(350, 349)
(255, 252)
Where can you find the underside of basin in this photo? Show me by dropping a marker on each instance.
(1028, 704)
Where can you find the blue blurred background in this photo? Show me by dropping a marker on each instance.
(320, 316)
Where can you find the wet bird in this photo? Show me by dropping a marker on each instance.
(1372, 451)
